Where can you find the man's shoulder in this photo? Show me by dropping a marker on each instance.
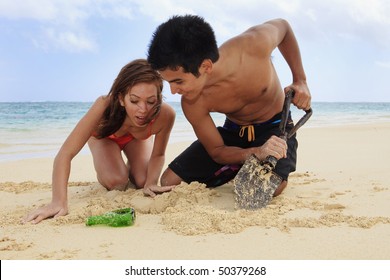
(197, 104)
(251, 42)
(195, 108)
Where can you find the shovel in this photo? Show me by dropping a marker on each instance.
(255, 183)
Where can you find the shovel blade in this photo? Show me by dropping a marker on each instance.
(254, 185)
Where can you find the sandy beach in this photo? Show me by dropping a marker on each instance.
(335, 208)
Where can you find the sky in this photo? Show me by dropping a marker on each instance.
(72, 50)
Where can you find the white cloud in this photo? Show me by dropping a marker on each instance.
(68, 41)
(55, 11)
(331, 20)
(161, 10)
(20, 9)
(64, 24)
(373, 11)
(363, 20)
(383, 64)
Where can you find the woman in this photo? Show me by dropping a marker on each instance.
(124, 120)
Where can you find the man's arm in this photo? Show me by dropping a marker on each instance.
(210, 138)
(290, 50)
(278, 33)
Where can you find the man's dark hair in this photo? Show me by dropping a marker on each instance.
(182, 41)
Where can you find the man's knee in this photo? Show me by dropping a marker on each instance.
(280, 189)
(169, 178)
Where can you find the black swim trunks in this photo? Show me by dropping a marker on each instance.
(195, 164)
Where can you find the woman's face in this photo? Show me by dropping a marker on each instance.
(139, 102)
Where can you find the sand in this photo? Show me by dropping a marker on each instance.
(335, 208)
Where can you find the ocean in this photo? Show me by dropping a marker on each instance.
(38, 129)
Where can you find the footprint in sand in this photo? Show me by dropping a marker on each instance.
(335, 194)
(10, 244)
(336, 206)
(60, 255)
(305, 178)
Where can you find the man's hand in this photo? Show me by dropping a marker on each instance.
(275, 146)
(302, 96)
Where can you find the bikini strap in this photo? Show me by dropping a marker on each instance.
(150, 127)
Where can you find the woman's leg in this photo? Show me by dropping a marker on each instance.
(138, 153)
(111, 170)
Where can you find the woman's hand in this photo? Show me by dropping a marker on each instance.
(51, 210)
(152, 191)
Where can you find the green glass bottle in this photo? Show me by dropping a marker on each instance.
(117, 218)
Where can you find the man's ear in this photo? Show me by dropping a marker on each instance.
(206, 66)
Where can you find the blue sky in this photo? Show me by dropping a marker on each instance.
(72, 50)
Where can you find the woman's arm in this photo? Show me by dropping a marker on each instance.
(62, 163)
(157, 159)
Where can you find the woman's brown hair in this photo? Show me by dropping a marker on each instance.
(135, 72)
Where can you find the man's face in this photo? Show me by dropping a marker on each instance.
(185, 84)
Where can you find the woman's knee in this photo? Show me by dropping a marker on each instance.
(114, 182)
(138, 181)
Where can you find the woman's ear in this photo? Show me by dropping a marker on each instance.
(121, 101)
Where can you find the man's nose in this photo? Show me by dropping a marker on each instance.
(174, 89)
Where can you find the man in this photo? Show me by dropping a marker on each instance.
(237, 79)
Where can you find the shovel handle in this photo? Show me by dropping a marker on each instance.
(270, 161)
(286, 109)
(301, 122)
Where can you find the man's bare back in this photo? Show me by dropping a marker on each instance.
(247, 90)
